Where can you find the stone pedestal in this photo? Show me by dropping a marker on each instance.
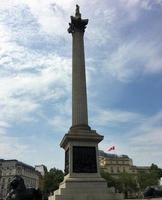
(83, 180)
(85, 189)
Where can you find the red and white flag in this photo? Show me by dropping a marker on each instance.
(111, 148)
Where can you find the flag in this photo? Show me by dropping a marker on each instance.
(111, 148)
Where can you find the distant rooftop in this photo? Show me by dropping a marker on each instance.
(109, 155)
(18, 163)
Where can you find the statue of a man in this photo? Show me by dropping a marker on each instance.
(77, 12)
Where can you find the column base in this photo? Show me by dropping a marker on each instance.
(85, 189)
(80, 127)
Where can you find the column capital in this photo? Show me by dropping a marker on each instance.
(77, 23)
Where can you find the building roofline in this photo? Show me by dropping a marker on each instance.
(109, 155)
(18, 162)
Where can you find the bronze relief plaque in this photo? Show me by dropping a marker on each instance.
(84, 159)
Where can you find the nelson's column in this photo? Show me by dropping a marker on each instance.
(82, 179)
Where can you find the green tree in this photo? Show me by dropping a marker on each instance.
(125, 182)
(154, 168)
(51, 181)
(122, 182)
(111, 181)
(147, 179)
(128, 182)
(150, 178)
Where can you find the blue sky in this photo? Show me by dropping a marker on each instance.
(123, 46)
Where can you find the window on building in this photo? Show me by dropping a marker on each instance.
(118, 170)
(112, 170)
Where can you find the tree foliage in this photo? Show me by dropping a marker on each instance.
(128, 182)
(51, 181)
(134, 182)
(123, 182)
(154, 168)
(147, 179)
(111, 181)
(150, 178)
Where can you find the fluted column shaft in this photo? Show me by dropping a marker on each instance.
(77, 27)
(79, 95)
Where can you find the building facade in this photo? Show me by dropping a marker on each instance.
(115, 164)
(10, 168)
(42, 169)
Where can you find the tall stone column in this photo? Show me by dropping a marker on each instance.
(82, 179)
(79, 95)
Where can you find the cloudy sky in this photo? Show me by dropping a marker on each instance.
(123, 44)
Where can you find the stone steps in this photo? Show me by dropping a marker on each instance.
(84, 190)
(87, 197)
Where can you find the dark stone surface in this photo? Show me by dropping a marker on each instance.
(153, 191)
(67, 162)
(18, 191)
(77, 23)
(84, 159)
(80, 127)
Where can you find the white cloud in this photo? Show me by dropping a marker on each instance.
(151, 131)
(151, 137)
(22, 92)
(136, 5)
(53, 17)
(134, 58)
(4, 124)
(61, 121)
(142, 142)
(11, 147)
(110, 116)
(49, 16)
(17, 110)
(30, 77)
